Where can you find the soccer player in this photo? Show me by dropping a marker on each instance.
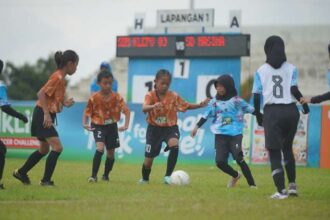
(319, 98)
(104, 108)
(162, 106)
(5, 107)
(227, 113)
(276, 81)
(51, 99)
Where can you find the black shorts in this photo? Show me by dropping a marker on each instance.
(107, 134)
(37, 128)
(156, 135)
(225, 144)
(280, 124)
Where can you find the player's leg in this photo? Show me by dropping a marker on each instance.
(236, 150)
(3, 151)
(221, 158)
(33, 159)
(275, 158)
(273, 117)
(152, 150)
(111, 143)
(171, 137)
(173, 144)
(51, 161)
(289, 160)
(96, 161)
(110, 160)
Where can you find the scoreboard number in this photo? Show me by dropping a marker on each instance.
(181, 68)
(141, 85)
(205, 87)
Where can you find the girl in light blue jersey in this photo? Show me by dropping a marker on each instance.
(227, 111)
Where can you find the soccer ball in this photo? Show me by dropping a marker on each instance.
(179, 178)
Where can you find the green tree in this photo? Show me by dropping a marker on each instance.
(25, 81)
(246, 88)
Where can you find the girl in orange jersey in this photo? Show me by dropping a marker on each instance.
(51, 99)
(104, 108)
(162, 106)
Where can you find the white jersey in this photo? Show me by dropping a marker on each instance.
(275, 84)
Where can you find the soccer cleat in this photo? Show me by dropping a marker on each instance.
(143, 182)
(92, 179)
(292, 189)
(253, 187)
(279, 196)
(24, 178)
(233, 181)
(105, 178)
(167, 180)
(47, 183)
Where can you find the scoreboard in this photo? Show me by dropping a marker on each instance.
(194, 60)
(216, 45)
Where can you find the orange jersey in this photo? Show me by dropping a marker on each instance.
(167, 115)
(105, 110)
(55, 92)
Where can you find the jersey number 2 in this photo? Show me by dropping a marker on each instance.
(277, 88)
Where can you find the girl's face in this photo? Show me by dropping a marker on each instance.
(220, 90)
(106, 84)
(71, 67)
(162, 84)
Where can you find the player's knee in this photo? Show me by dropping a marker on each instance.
(221, 164)
(110, 154)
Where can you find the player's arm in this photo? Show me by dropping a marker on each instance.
(246, 107)
(12, 112)
(86, 116)
(320, 98)
(257, 91)
(148, 105)
(127, 114)
(199, 105)
(203, 119)
(68, 102)
(295, 91)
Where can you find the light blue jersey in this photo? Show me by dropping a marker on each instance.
(3, 94)
(227, 116)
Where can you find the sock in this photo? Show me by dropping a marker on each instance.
(290, 165)
(171, 160)
(2, 163)
(33, 159)
(50, 165)
(246, 172)
(277, 169)
(96, 162)
(145, 173)
(108, 166)
(224, 166)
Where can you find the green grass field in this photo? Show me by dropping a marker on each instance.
(122, 198)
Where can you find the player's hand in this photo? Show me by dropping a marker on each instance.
(47, 121)
(304, 100)
(259, 117)
(69, 102)
(194, 132)
(123, 128)
(158, 105)
(204, 102)
(88, 127)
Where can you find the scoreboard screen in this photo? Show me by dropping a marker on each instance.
(211, 45)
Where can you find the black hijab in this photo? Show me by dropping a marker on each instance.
(228, 82)
(275, 51)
